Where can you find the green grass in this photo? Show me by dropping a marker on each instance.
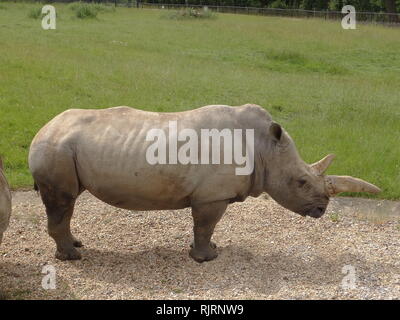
(333, 90)
(334, 216)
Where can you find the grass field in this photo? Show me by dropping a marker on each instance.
(333, 90)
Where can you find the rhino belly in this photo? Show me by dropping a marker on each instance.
(141, 187)
(131, 200)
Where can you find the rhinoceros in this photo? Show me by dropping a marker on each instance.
(5, 202)
(104, 151)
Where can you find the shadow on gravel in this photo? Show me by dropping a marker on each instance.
(235, 269)
(23, 281)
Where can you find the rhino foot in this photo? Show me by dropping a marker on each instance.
(213, 245)
(71, 254)
(203, 255)
(77, 243)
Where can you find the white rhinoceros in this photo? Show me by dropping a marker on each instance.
(5, 202)
(112, 154)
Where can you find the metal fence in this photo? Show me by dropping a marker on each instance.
(366, 17)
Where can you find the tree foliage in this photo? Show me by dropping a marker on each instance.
(334, 5)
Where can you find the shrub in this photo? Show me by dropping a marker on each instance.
(334, 5)
(84, 11)
(74, 5)
(103, 8)
(278, 4)
(35, 13)
(192, 13)
(89, 10)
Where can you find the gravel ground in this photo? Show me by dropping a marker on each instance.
(265, 252)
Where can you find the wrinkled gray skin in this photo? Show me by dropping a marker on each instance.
(5, 203)
(103, 151)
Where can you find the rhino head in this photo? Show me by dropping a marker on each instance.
(301, 187)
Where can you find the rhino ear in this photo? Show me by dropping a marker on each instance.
(276, 131)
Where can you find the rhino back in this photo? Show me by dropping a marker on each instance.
(109, 149)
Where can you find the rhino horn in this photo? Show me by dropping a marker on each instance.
(338, 184)
(320, 167)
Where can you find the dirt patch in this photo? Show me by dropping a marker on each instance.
(265, 252)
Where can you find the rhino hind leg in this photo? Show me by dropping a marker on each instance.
(55, 176)
(205, 218)
(59, 208)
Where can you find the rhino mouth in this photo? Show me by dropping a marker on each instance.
(316, 212)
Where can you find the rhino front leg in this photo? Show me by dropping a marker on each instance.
(212, 244)
(205, 218)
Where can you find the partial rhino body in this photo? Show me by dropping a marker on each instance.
(5, 202)
(105, 152)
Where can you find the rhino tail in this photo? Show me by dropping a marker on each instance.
(35, 187)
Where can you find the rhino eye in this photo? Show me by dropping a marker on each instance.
(301, 182)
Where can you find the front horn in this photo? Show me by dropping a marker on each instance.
(338, 184)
